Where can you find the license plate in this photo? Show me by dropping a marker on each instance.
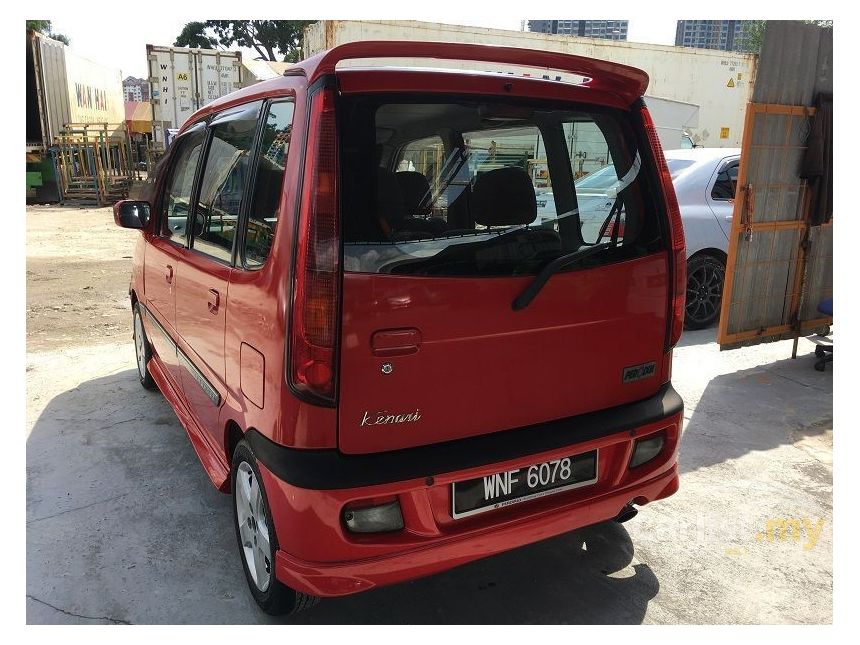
(522, 484)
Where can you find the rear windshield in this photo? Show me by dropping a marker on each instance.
(459, 187)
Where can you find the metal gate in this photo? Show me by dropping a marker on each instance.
(780, 265)
(94, 163)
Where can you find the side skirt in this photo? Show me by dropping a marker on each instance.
(212, 459)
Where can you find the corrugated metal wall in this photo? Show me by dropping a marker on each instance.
(779, 266)
(796, 63)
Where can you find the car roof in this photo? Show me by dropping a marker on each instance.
(702, 154)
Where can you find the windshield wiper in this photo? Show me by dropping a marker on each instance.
(522, 301)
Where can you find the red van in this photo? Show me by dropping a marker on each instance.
(396, 365)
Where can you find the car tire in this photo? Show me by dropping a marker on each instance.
(143, 352)
(256, 538)
(706, 275)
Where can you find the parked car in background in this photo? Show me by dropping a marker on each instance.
(705, 180)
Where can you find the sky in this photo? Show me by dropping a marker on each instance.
(126, 48)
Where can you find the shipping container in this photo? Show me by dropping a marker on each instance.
(254, 71)
(64, 87)
(674, 120)
(719, 83)
(184, 80)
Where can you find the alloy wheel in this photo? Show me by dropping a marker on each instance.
(704, 291)
(139, 346)
(253, 526)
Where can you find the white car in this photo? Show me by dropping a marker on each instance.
(705, 181)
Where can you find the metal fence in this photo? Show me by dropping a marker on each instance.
(780, 264)
(94, 163)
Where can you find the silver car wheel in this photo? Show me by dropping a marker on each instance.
(140, 345)
(253, 527)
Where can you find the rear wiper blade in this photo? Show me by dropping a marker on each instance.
(522, 301)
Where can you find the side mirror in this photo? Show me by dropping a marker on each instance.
(131, 214)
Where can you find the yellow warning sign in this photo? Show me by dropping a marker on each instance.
(731, 83)
(724, 133)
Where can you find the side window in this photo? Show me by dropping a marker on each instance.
(222, 185)
(599, 180)
(727, 181)
(177, 193)
(266, 199)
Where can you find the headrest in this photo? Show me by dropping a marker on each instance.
(389, 197)
(504, 197)
(415, 190)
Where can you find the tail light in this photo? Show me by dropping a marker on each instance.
(316, 288)
(676, 233)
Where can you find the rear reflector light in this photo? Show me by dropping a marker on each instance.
(374, 519)
(644, 450)
(678, 256)
(316, 289)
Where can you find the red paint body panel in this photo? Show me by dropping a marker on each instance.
(252, 375)
(629, 83)
(367, 81)
(200, 334)
(323, 559)
(483, 367)
(159, 275)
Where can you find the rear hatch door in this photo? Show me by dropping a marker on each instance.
(437, 209)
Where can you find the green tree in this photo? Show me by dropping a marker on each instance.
(44, 26)
(193, 34)
(754, 32)
(272, 39)
(754, 35)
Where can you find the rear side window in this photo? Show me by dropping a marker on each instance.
(727, 181)
(180, 182)
(223, 181)
(473, 188)
(266, 200)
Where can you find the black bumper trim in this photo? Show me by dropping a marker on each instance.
(331, 469)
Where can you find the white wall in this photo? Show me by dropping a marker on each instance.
(720, 83)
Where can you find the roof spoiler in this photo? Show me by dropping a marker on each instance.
(627, 82)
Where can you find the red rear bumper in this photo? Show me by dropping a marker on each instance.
(319, 556)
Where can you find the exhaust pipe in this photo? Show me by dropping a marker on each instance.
(627, 513)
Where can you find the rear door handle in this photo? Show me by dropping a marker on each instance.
(214, 301)
(395, 342)
(729, 218)
(168, 274)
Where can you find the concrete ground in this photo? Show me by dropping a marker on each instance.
(123, 525)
